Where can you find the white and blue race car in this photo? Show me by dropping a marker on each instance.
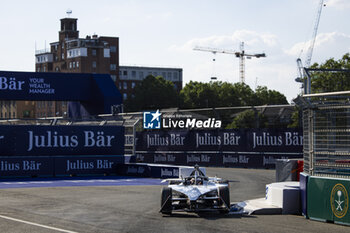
(196, 193)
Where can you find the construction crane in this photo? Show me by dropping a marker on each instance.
(240, 54)
(312, 44)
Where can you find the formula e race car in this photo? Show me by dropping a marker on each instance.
(196, 193)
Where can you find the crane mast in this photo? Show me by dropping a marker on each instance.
(239, 54)
(310, 49)
(314, 34)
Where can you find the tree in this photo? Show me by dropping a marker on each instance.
(216, 94)
(152, 93)
(269, 97)
(199, 95)
(331, 81)
(248, 119)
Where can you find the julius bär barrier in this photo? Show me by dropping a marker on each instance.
(219, 147)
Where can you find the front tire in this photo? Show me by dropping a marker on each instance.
(166, 202)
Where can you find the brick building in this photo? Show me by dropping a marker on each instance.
(72, 54)
(92, 54)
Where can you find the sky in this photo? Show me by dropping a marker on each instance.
(164, 32)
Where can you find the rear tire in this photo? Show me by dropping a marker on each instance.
(166, 202)
(224, 193)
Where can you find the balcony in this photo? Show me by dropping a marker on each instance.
(42, 51)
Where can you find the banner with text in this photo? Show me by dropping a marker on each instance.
(251, 140)
(222, 148)
(30, 140)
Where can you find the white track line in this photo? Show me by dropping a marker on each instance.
(36, 224)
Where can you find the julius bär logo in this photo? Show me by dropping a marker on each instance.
(151, 120)
(339, 200)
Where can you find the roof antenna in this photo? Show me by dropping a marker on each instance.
(69, 12)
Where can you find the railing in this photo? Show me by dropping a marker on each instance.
(42, 51)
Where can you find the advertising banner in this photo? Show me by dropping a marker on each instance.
(87, 164)
(58, 165)
(220, 159)
(26, 166)
(96, 93)
(44, 86)
(333, 194)
(32, 140)
(251, 140)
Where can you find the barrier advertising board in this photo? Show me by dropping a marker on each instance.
(30, 140)
(228, 148)
(328, 199)
(95, 92)
(58, 165)
(257, 140)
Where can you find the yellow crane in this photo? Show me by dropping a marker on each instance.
(239, 54)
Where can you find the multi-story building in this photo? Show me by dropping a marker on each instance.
(92, 54)
(130, 75)
(72, 54)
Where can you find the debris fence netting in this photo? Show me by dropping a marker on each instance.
(326, 126)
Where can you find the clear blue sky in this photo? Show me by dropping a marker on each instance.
(163, 33)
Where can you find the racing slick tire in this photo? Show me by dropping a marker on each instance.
(166, 202)
(224, 193)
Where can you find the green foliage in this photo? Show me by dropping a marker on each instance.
(223, 94)
(269, 97)
(248, 119)
(295, 119)
(156, 92)
(153, 93)
(331, 81)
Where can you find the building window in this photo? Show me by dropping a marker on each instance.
(133, 74)
(125, 85)
(94, 52)
(114, 78)
(120, 86)
(133, 85)
(176, 76)
(141, 75)
(44, 68)
(77, 64)
(125, 96)
(57, 69)
(93, 64)
(70, 65)
(164, 75)
(73, 64)
(113, 49)
(63, 45)
(62, 55)
(113, 66)
(169, 76)
(125, 72)
(14, 115)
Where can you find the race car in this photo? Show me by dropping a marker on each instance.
(196, 193)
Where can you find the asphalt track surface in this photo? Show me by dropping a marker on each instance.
(120, 204)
